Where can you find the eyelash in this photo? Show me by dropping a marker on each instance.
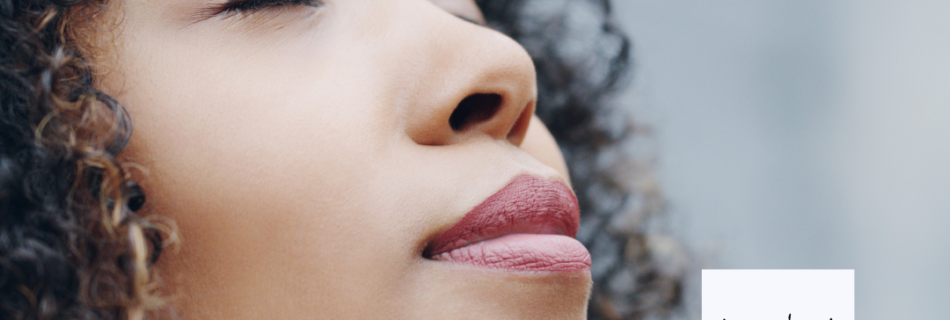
(250, 6)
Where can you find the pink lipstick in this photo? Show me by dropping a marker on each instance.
(529, 225)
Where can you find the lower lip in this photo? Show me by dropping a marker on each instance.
(523, 252)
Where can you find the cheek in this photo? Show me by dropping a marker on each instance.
(270, 199)
(253, 177)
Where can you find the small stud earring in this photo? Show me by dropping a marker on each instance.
(135, 197)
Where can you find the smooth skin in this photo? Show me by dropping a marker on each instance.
(306, 155)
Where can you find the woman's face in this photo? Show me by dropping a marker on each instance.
(307, 155)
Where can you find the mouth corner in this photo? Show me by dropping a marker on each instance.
(427, 251)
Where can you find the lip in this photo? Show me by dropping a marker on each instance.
(529, 225)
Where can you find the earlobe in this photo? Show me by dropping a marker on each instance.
(539, 142)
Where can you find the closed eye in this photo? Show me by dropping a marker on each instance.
(250, 6)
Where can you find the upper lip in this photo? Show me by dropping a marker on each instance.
(526, 205)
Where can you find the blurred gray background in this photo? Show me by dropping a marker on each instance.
(805, 134)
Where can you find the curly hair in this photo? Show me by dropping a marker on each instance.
(73, 247)
(70, 244)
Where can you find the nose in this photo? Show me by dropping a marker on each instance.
(474, 81)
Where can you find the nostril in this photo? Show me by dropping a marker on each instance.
(474, 109)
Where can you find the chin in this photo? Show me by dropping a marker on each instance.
(466, 292)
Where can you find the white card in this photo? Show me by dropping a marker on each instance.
(776, 294)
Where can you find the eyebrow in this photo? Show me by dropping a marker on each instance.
(469, 19)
